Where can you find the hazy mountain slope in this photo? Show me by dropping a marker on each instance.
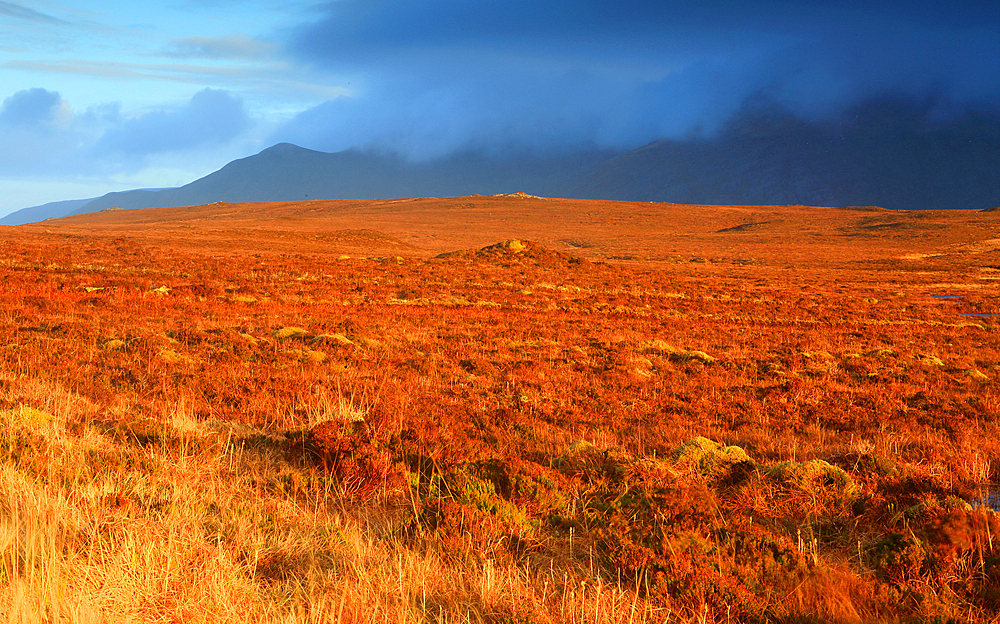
(52, 210)
(287, 172)
(882, 153)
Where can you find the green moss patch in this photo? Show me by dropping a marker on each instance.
(813, 475)
(713, 459)
(291, 333)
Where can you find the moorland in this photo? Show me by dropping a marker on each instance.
(500, 409)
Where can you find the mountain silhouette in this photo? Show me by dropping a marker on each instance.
(52, 210)
(286, 172)
(890, 152)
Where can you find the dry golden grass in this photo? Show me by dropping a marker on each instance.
(300, 413)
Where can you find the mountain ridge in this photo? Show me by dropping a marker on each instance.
(51, 210)
(882, 153)
(287, 172)
(889, 152)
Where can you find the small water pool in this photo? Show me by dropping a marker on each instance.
(978, 314)
(989, 496)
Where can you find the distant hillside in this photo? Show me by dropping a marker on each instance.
(883, 153)
(52, 210)
(287, 172)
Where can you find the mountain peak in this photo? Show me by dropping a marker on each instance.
(283, 147)
(285, 150)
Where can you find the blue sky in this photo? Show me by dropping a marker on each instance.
(102, 96)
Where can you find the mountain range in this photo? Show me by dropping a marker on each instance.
(893, 153)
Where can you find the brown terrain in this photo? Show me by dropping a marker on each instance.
(500, 409)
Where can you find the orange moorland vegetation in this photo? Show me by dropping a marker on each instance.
(500, 409)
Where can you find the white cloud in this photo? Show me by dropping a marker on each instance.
(20, 12)
(230, 47)
(40, 136)
(212, 116)
(31, 108)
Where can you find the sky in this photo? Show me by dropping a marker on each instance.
(108, 95)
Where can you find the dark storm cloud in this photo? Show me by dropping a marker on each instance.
(211, 116)
(431, 76)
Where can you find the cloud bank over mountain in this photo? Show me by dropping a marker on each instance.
(437, 76)
(159, 95)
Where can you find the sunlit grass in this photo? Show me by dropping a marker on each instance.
(485, 439)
